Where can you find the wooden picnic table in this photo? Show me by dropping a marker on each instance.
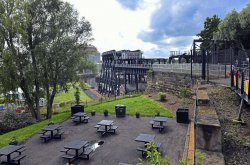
(11, 149)
(77, 145)
(161, 121)
(80, 117)
(108, 126)
(51, 129)
(145, 138)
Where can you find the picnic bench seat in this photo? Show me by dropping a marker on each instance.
(59, 134)
(160, 127)
(73, 117)
(152, 123)
(87, 152)
(45, 137)
(21, 150)
(158, 145)
(18, 158)
(97, 126)
(123, 164)
(113, 128)
(42, 132)
(86, 119)
(142, 150)
(65, 150)
(69, 157)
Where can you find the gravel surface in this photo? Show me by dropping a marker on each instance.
(235, 137)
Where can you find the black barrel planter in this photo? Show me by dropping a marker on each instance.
(182, 115)
(120, 110)
(76, 109)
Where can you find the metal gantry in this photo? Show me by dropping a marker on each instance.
(120, 68)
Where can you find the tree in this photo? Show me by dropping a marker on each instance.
(229, 27)
(210, 27)
(236, 26)
(40, 43)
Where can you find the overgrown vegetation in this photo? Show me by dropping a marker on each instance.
(184, 94)
(199, 158)
(154, 157)
(12, 121)
(162, 96)
(68, 97)
(25, 133)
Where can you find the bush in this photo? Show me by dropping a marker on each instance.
(185, 93)
(62, 104)
(162, 96)
(154, 157)
(12, 121)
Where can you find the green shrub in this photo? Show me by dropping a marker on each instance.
(199, 157)
(154, 157)
(162, 96)
(12, 121)
(62, 104)
(185, 93)
(77, 96)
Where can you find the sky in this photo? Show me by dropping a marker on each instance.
(155, 27)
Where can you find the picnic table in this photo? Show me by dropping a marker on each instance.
(158, 122)
(108, 126)
(146, 138)
(11, 150)
(80, 117)
(81, 150)
(51, 129)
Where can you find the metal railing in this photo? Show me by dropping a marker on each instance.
(133, 65)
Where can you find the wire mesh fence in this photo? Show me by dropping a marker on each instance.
(215, 70)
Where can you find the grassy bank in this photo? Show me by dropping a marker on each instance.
(141, 104)
(70, 96)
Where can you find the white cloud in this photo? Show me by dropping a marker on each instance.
(115, 27)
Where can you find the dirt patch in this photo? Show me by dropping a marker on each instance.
(174, 102)
(235, 137)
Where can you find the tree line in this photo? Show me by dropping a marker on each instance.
(41, 48)
(235, 26)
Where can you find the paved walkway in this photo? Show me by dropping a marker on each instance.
(93, 94)
(117, 148)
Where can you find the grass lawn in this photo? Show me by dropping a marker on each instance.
(25, 133)
(70, 97)
(141, 104)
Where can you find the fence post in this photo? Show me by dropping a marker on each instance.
(225, 71)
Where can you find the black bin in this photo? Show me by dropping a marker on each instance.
(76, 109)
(182, 115)
(120, 110)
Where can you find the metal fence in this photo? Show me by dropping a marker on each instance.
(217, 70)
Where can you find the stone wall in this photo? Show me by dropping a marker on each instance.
(167, 82)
